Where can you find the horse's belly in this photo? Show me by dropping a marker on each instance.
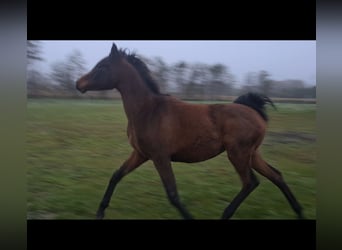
(197, 153)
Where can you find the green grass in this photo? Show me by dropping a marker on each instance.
(73, 147)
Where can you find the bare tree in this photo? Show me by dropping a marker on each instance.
(60, 74)
(179, 71)
(34, 78)
(38, 84)
(76, 64)
(265, 83)
(33, 51)
(221, 80)
(65, 73)
(198, 79)
(160, 70)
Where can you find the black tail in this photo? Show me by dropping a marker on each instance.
(255, 101)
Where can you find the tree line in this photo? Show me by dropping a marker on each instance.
(192, 81)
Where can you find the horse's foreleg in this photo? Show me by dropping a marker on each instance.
(164, 169)
(134, 161)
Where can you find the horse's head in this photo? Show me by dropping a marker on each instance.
(105, 74)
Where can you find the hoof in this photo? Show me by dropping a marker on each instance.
(99, 215)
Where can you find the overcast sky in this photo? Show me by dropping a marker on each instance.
(282, 59)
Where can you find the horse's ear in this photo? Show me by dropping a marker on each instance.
(114, 53)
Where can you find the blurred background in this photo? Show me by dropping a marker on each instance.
(194, 70)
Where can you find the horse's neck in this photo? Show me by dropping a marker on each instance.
(135, 96)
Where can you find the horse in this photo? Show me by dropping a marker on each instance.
(165, 129)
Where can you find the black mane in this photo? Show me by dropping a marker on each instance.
(143, 70)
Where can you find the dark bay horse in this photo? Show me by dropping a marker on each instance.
(164, 129)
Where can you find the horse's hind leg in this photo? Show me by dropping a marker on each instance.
(134, 161)
(164, 168)
(275, 176)
(241, 163)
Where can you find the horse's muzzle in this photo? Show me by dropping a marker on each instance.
(82, 90)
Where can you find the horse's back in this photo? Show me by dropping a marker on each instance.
(215, 119)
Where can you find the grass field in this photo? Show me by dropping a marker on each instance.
(73, 147)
